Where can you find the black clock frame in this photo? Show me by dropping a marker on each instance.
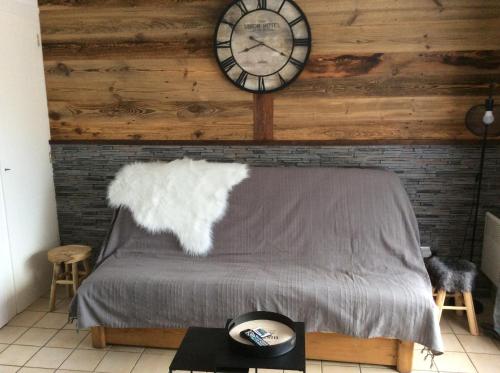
(287, 83)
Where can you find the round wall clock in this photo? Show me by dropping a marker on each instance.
(262, 45)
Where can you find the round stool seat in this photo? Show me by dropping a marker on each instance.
(69, 254)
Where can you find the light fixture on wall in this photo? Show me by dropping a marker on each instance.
(482, 120)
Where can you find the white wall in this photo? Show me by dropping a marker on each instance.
(26, 172)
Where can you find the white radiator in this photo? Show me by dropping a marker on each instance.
(490, 263)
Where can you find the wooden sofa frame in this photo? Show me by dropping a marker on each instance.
(319, 346)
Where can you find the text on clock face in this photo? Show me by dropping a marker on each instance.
(262, 46)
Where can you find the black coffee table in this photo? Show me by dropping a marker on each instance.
(207, 349)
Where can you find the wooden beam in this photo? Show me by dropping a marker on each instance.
(263, 116)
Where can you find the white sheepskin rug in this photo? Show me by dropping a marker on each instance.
(184, 196)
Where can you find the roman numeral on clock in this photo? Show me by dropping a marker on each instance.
(262, 86)
(242, 7)
(281, 6)
(223, 44)
(228, 23)
(262, 4)
(298, 64)
(296, 20)
(282, 80)
(228, 63)
(242, 79)
(302, 42)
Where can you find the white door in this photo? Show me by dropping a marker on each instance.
(7, 290)
(28, 189)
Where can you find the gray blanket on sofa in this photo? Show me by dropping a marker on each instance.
(336, 248)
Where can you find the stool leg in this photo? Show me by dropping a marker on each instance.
(440, 298)
(471, 314)
(74, 267)
(459, 302)
(53, 286)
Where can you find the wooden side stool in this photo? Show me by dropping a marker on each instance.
(69, 257)
(455, 278)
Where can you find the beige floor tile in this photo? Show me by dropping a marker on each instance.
(118, 362)
(72, 326)
(313, 366)
(451, 343)
(3, 346)
(49, 357)
(26, 318)
(418, 346)
(459, 325)
(36, 370)
(67, 339)
(374, 366)
(86, 344)
(486, 363)
(9, 334)
(41, 304)
(8, 369)
(17, 355)
(444, 325)
(126, 348)
(63, 306)
(53, 320)
(160, 351)
(376, 370)
(85, 360)
(36, 337)
(152, 363)
(457, 362)
(497, 343)
(340, 369)
(420, 362)
(72, 371)
(338, 363)
(478, 344)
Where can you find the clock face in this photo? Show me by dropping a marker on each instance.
(262, 45)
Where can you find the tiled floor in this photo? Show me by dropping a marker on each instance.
(37, 341)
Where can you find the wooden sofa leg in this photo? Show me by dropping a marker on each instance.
(98, 337)
(405, 357)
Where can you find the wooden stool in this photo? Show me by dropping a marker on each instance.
(463, 302)
(455, 278)
(68, 256)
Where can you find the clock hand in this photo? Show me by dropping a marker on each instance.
(267, 46)
(273, 49)
(252, 47)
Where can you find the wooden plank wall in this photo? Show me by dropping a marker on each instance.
(380, 70)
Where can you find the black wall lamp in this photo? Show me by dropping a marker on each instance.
(483, 121)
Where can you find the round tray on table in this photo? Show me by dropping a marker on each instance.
(281, 340)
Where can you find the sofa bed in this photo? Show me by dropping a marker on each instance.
(337, 248)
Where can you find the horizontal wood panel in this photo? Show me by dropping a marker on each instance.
(152, 120)
(372, 118)
(380, 70)
(187, 29)
(103, 81)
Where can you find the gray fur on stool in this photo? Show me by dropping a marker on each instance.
(451, 274)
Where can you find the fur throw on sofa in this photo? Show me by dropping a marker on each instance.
(451, 274)
(184, 196)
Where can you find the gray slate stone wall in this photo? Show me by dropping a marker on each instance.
(438, 178)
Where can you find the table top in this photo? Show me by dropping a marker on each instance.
(207, 349)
